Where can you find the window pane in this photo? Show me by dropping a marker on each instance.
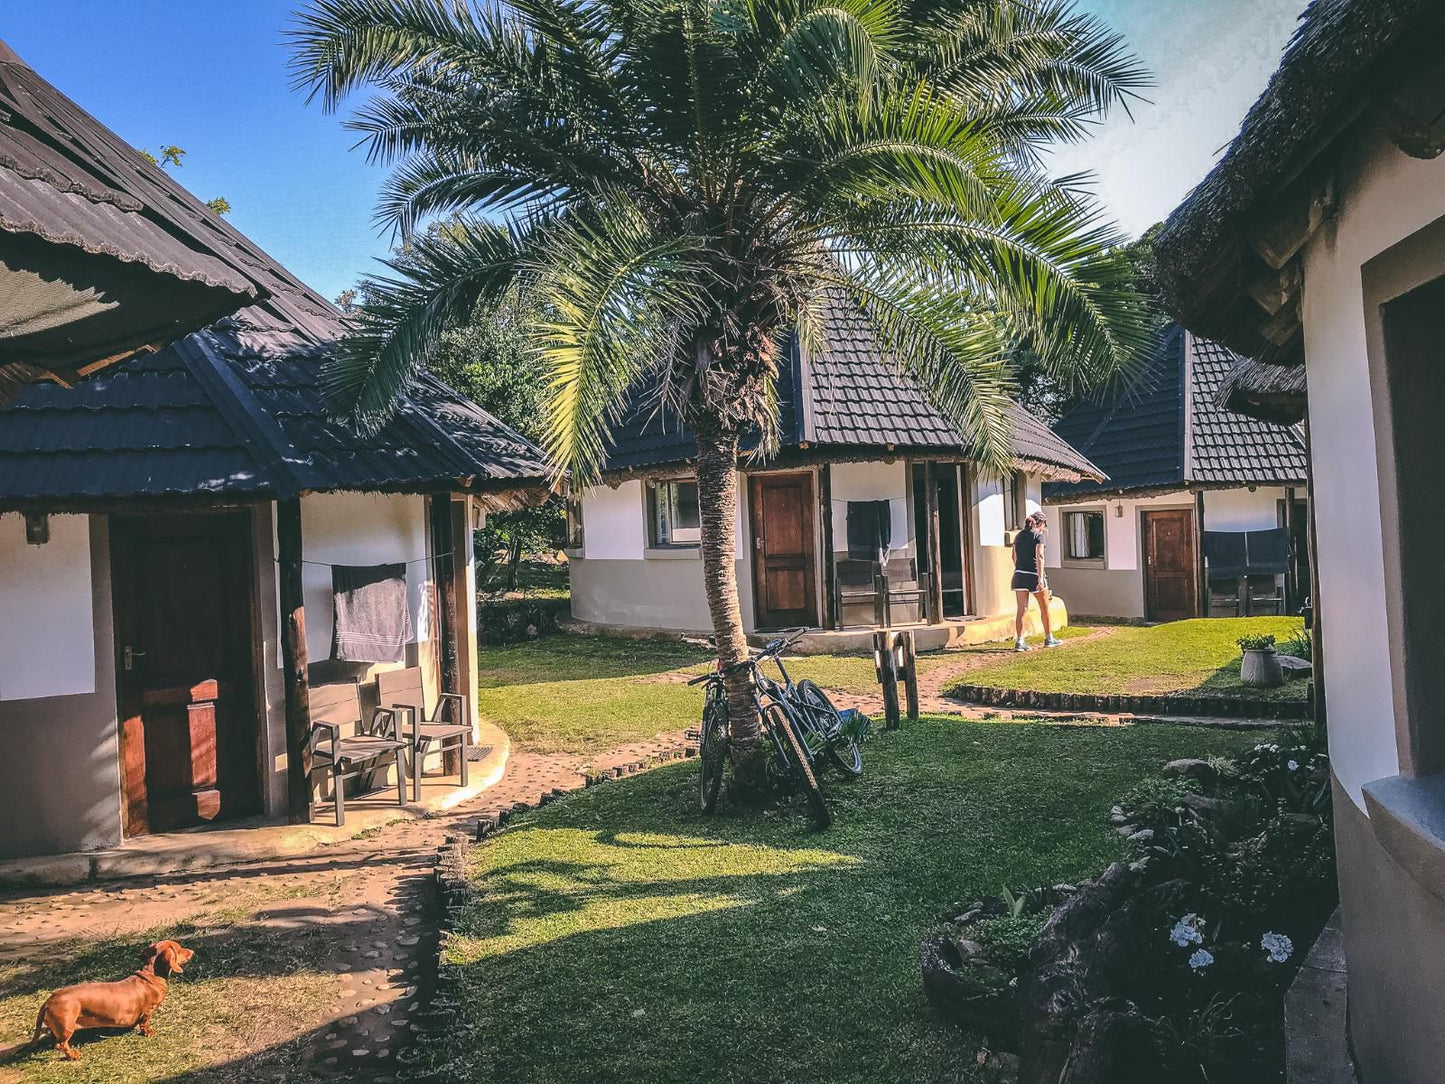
(1086, 535)
(687, 510)
(661, 514)
(1096, 534)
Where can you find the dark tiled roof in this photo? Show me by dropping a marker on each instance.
(77, 202)
(853, 399)
(1160, 434)
(237, 409)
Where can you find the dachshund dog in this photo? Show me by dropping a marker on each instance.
(128, 1003)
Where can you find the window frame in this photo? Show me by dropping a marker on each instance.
(1013, 488)
(667, 488)
(1065, 548)
(575, 542)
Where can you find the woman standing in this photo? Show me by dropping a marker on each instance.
(1029, 578)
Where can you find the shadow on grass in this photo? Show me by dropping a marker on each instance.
(568, 657)
(621, 936)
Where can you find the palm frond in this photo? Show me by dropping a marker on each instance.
(436, 285)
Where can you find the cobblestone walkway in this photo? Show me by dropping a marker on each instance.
(363, 914)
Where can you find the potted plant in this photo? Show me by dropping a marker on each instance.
(1260, 668)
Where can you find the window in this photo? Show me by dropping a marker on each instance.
(672, 514)
(1085, 535)
(574, 520)
(1013, 505)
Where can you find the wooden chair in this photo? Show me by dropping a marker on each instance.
(401, 691)
(345, 747)
(883, 586)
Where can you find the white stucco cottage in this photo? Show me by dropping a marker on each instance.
(1204, 511)
(870, 511)
(1319, 240)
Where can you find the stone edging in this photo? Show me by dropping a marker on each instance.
(1228, 707)
(454, 892)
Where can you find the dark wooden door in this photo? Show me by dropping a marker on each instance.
(783, 569)
(1171, 584)
(189, 728)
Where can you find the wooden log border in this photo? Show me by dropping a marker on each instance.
(1226, 707)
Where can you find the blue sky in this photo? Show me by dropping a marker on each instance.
(209, 76)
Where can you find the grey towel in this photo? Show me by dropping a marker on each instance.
(372, 622)
(1268, 551)
(1228, 554)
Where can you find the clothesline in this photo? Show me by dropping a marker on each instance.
(416, 561)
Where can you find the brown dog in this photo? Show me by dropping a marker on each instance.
(125, 1004)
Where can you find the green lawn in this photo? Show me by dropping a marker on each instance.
(1184, 656)
(621, 936)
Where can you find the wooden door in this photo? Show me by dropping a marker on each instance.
(783, 569)
(1171, 584)
(184, 669)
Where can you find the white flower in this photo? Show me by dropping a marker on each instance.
(1278, 946)
(1202, 958)
(1293, 765)
(1186, 931)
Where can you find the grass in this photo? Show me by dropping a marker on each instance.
(622, 936)
(1197, 656)
(540, 577)
(238, 1014)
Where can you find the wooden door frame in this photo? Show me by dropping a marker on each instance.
(754, 562)
(1196, 541)
(121, 595)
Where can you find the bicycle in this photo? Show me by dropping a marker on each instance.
(799, 719)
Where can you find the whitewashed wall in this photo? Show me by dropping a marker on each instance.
(1384, 196)
(872, 482)
(989, 511)
(362, 529)
(614, 522)
(47, 626)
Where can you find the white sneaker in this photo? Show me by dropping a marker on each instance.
(1019, 645)
(1052, 641)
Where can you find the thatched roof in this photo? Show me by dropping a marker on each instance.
(1271, 393)
(1228, 256)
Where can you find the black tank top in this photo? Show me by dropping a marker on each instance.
(1026, 545)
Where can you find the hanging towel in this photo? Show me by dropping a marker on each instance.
(1268, 552)
(372, 621)
(1227, 553)
(870, 531)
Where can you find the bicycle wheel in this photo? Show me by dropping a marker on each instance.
(712, 749)
(843, 750)
(781, 723)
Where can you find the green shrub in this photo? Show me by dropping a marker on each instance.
(1157, 801)
(1300, 646)
(1256, 643)
(1008, 938)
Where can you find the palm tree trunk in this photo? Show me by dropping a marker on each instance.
(717, 496)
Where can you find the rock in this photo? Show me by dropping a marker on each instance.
(1294, 668)
(968, 948)
(1144, 835)
(1192, 768)
(960, 994)
(1117, 815)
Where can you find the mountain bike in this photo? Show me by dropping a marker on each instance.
(799, 719)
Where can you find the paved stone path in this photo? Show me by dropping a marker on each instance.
(364, 916)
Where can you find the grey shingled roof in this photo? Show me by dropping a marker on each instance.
(849, 399)
(1168, 430)
(77, 199)
(237, 410)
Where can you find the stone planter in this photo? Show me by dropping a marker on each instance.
(1261, 669)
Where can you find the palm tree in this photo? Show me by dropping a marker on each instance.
(678, 186)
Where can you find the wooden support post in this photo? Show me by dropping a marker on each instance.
(887, 675)
(830, 558)
(935, 547)
(444, 572)
(1201, 579)
(966, 530)
(294, 661)
(1291, 576)
(1317, 637)
(910, 673)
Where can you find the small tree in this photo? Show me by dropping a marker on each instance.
(677, 186)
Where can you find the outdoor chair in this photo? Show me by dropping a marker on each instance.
(401, 691)
(881, 585)
(346, 747)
